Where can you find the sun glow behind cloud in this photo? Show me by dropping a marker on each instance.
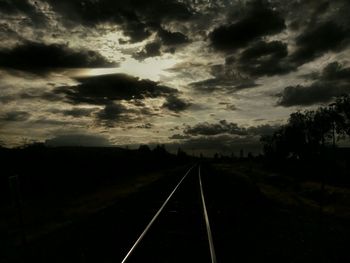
(151, 68)
(92, 72)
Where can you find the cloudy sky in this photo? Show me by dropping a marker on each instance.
(203, 74)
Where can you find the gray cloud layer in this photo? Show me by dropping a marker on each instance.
(333, 81)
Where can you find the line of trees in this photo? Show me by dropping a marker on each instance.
(308, 133)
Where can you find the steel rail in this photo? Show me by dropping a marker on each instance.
(154, 218)
(210, 237)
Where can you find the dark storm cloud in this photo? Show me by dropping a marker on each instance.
(333, 81)
(335, 71)
(137, 17)
(179, 137)
(265, 58)
(313, 94)
(33, 56)
(223, 84)
(16, 6)
(305, 12)
(23, 7)
(135, 29)
(222, 127)
(94, 12)
(78, 140)
(150, 50)
(112, 113)
(75, 112)
(13, 116)
(106, 88)
(225, 78)
(172, 38)
(247, 85)
(260, 20)
(274, 49)
(115, 113)
(311, 13)
(211, 85)
(322, 26)
(265, 129)
(316, 40)
(78, 112)
(176, 104)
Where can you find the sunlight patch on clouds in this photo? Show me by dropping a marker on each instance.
(150, 68)
(88, 72)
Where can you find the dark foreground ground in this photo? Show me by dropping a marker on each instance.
(255, 217)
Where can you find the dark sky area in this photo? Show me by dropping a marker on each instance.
(201, 74)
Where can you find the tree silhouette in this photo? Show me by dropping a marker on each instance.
(144, 149)
(308, 133)
(342, 112)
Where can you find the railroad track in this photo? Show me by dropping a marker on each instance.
(180, 230)
(245, 227)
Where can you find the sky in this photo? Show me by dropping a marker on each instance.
(198, 74)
